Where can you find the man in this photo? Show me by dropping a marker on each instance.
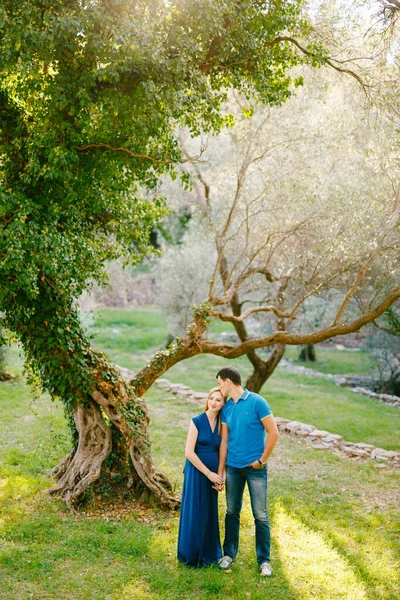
(245, 418)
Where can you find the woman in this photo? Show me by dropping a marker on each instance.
(198, 539)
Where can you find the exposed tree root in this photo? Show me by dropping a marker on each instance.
(113, 406)
(77, 472)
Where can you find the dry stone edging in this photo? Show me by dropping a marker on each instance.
(342, 381)
(318, 439)
(385, 398)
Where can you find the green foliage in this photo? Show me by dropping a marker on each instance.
(393, 319)
(2, 351)
(91, 95)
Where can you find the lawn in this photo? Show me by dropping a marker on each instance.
(335, 522)
(337, 362)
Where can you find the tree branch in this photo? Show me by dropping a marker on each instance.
(282, 337)
(166, 161)
(329, 61)
(249, 311)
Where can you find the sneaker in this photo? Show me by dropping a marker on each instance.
(266, 569)
(225, 562)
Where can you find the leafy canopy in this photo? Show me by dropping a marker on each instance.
(91, 96)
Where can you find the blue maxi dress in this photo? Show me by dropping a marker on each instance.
(198, 539)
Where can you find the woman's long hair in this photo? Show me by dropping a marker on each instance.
(215, 389)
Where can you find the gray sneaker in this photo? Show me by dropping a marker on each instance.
(266, 569)
(225, 562)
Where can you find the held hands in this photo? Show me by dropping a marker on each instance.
(216, 479)
(219, 486)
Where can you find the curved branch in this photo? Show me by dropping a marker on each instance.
(294, 339)
(167, 161)
(329, 61)
(248, 312)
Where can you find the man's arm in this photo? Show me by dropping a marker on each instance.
(272, 437)
(223, 450)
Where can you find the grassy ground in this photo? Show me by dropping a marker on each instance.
(335, 522)
(337, 362)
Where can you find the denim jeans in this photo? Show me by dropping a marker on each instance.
(256, 479)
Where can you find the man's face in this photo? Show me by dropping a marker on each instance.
(224, 386)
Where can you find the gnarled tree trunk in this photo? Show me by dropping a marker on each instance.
(82, 467)
(113, 447)
(112, 429)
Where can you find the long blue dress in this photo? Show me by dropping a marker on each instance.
(198, 539)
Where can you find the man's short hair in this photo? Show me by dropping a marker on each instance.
(230, 373)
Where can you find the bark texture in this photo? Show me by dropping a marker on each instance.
(123, 437)
(78, 470)
(263, 369)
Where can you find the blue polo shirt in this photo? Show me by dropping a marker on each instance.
(246, 440)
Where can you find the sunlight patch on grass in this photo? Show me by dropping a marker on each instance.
(18, 488)
(134, 590)
(377, 557)
(16, 496)
(164, 545)
(312, 566)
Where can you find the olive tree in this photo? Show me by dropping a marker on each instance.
(295, 221)
(92, 93)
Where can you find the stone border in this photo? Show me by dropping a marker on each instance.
(340, 380)
(385, 398)
(317, 438)
(336, 444)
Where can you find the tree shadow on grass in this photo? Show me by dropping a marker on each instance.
(55, 555)
(368, 580)
(169, 580)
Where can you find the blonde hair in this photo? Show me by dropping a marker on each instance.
(215, 389)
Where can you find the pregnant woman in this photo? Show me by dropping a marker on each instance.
(198, 538)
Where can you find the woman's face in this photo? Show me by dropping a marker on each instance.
(216, 401)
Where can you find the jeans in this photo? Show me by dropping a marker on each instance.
(256, 479)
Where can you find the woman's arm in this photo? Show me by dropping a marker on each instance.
(194, 459)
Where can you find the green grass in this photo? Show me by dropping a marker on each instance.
(335, 522)
(128, 331)
(337, 362)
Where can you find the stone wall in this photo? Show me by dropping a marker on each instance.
(355, 383)
(136, 290)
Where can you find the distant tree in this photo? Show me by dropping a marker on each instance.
(288, 210)
(382, 341)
